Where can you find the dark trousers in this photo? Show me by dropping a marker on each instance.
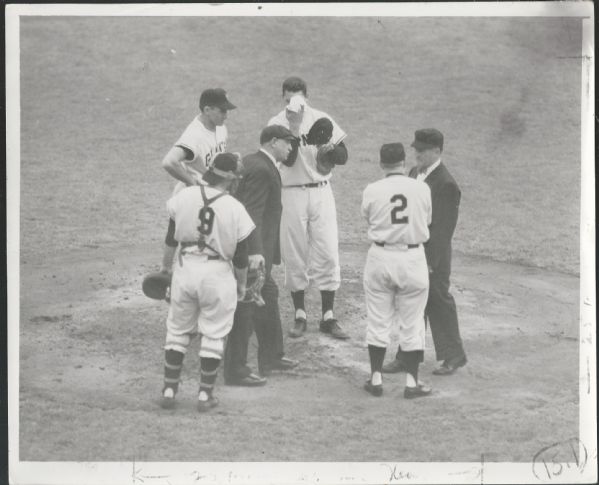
(266, 322)
(443, 320)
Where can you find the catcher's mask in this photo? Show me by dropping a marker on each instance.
(226, 166)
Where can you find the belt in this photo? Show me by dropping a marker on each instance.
(210, 257)
(410, 246)
(311, 185)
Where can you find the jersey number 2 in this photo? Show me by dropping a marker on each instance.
(206, 217)
(400, 207)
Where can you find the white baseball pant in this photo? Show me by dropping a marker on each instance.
(396, 289)
(203, 300)
(309, 240)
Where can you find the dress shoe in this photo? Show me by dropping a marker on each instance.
(283, 364)
(450, 366)
(394, 367)
(298, 328)
(331, 326)
(251, 380)
(207, 404)
(420, 390)
(375, 390)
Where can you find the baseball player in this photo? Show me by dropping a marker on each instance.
(309, 241)
(211, 228)
(194, 151)
(398, 210)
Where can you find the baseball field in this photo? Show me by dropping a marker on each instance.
(103, 99)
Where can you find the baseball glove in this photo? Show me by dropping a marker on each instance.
(157, 286)
(324, 162)
(320, 132)
(253, 287)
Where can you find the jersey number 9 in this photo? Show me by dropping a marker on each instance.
(400, 207)
(206, 217)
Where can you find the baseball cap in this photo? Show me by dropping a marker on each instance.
(275, 131)
(392, 153)
(427, 138)
(296, 103)
(215, 97)
(224, 166)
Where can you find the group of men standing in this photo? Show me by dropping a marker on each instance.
(229, 214)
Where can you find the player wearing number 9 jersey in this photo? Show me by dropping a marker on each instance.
(398, 210)
(211, 228)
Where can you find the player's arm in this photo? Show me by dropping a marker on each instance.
(170, 247)
(444, 220)
(240, 267)
(174, 164)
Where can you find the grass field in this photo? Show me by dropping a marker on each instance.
(102, 100)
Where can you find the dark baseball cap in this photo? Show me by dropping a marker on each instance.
(275, 131)
(217, 98)
(427, 138)
(224, 166)
(392, 153)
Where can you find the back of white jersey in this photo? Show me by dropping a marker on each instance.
(203, 143)
(304, 171)
(223, 226)
(398, 210)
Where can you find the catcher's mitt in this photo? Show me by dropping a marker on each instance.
(253, 287)
(324, 161)
(157, 286)
(320, 132)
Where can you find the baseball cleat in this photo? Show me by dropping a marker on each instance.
(375, 390)
(205, 405)
(168, 398)
(331, 326)
(420, 390)
(298, 328)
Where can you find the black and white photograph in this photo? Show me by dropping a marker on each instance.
(301, 243)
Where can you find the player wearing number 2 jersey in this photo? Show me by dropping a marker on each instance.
(398, 211)
(210, 227)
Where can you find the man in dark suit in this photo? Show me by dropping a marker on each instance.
(440, 308)
(260, 193)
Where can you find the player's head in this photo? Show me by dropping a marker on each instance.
(224, 171)
(428, 144)
(393, 157)
(214, 106)
(276, 140)
(292, 86)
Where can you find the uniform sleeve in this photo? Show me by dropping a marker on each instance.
(245, 225)
(171, 206)
(429, 205)
(188, 141)
(365, 207)
(338, 134)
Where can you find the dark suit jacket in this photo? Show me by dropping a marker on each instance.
(445, 195)
(260, 192)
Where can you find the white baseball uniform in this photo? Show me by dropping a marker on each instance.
(309, 240)
(204, 144)
(203, 288)
(398, 210)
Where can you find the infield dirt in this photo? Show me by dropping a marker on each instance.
(102, 101)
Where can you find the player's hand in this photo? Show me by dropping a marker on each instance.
(327, 147)
(255, 261)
